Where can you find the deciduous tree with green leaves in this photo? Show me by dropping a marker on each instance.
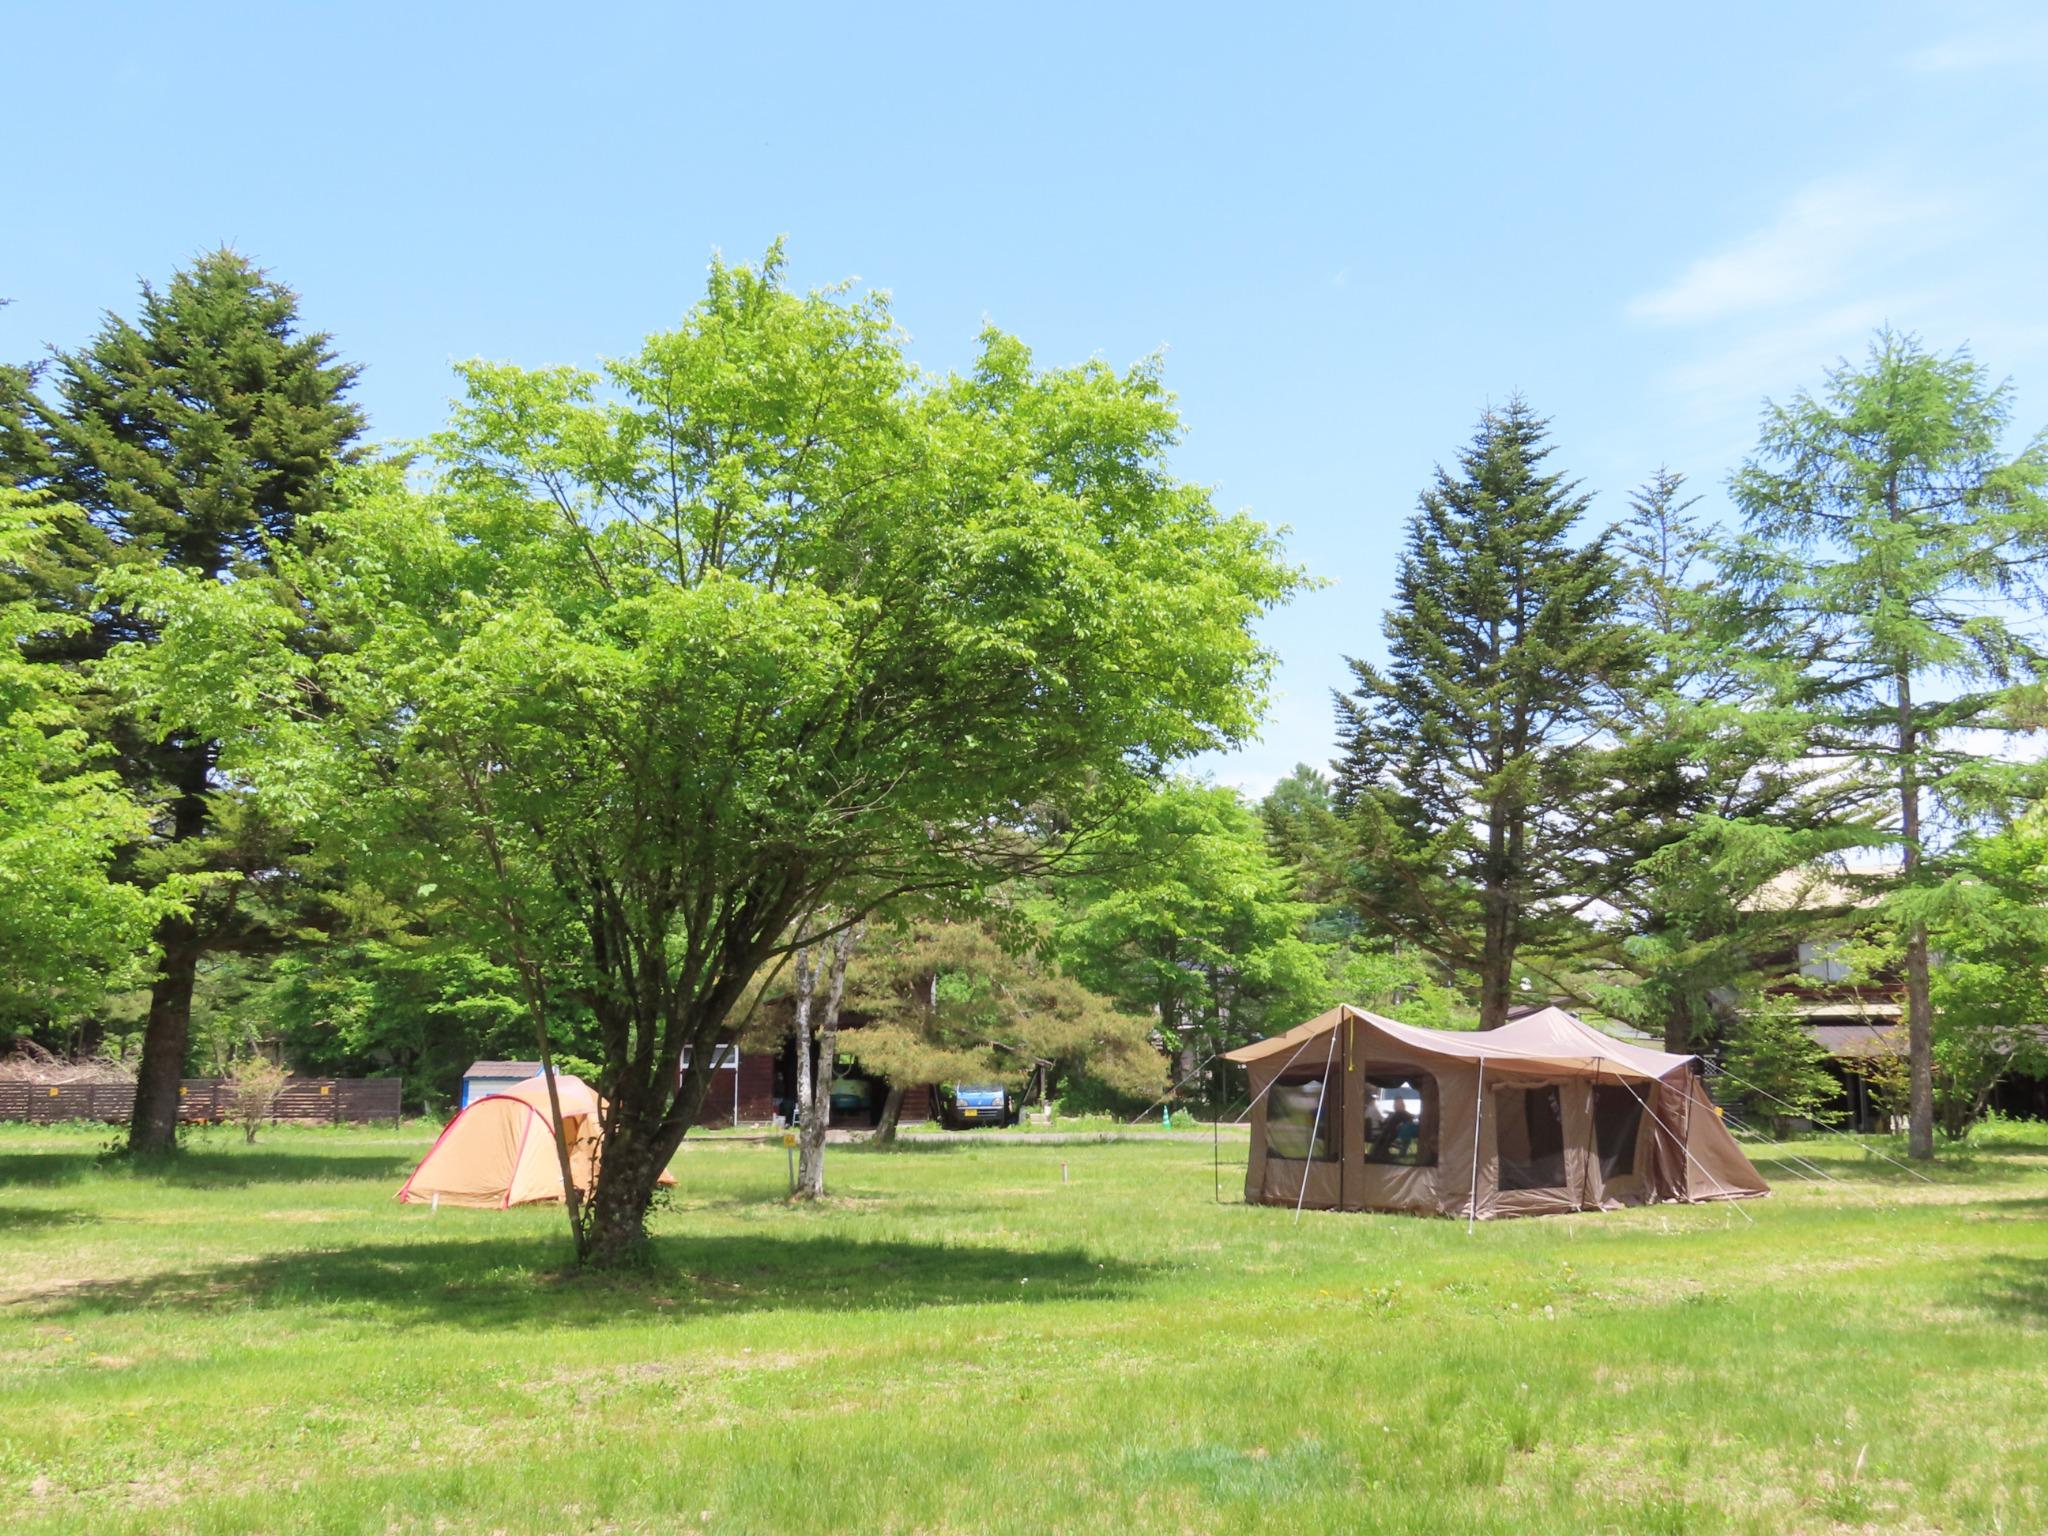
(1472, 768)
(66, 925)
(1184, 913)
(667, 659)
(1885, 516)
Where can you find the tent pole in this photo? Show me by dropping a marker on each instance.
(1316, 1127)
(1272, 1080)
(1478, 1108)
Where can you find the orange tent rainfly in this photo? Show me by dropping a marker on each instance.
(1356, 1112)
(500, 1151)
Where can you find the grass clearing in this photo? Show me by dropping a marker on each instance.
(260, 1339)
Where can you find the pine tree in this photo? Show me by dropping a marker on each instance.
(193, 437)
(1471, 762)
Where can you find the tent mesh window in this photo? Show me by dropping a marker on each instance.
(1292, 1128)
(1617, 1121)
(1401, 1119)
(1529, 1130)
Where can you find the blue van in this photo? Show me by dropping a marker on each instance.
(966, 1104)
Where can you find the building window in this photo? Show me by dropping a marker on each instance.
(1401, 1119)
(724, 1058)
(1817, 961)
(1529, 1137)
(1294, 1128)
(1617, 1125)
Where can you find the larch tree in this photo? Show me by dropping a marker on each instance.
(667, 660)
(1885, 515)
(1720, 799)
(1472, 768)
(196, 438)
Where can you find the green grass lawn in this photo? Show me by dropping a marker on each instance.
(262, 1341)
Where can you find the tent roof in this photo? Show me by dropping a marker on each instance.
(502, 1069)
(578, 1097)
(1549, 1037)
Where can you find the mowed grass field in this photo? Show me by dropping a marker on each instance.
(960, 1341)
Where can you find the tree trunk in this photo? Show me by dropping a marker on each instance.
(892, 1111)
(1496, 962)
(805, 982)
(1919, 1008)
(810, 1171)
(616, 1228)
(153, 1130)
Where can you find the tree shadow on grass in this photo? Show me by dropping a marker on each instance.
(24, 1218)
(503, 1282)
(212, 1167)
(2015, 1286)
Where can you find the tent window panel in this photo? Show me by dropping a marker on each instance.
(1401, 1119)
(1293, 1127)
(1529, 1134)
(1617, 1124)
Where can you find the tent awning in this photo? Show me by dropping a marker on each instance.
(1550, 1038)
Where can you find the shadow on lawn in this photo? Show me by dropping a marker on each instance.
(21, 1218)
(498, 1282)
(2016, 1287)
(211, 1167)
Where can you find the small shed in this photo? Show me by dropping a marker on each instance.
(495, 1077)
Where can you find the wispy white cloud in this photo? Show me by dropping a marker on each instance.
(2019, 40)
(1727, 383)
(1818, 239)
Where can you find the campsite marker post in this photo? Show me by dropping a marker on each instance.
(789, 1148)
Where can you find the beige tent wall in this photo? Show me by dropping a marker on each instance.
(1679, 1149)
(1717, 1168)
(501, 1152)
(474, 1157)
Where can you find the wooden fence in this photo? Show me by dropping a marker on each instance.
(318, 1100)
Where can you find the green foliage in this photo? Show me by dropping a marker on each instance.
(956, 1002)
(193, 440)
(1988, 921)
(67, 928)
(1307, 835)
(1777, 1064)
(663, 660)
(1892, 537)
(1183, 913)
(1468, 769)
(1721, 800)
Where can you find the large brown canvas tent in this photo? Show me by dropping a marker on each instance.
(500, 1151)
(1353, 1112)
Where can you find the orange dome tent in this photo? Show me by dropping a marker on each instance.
(500, 1151)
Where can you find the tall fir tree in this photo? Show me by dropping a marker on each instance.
(197, 437)
(1471, 766)
(1885, 517)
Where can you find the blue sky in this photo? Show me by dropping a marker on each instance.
(1349, 229)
